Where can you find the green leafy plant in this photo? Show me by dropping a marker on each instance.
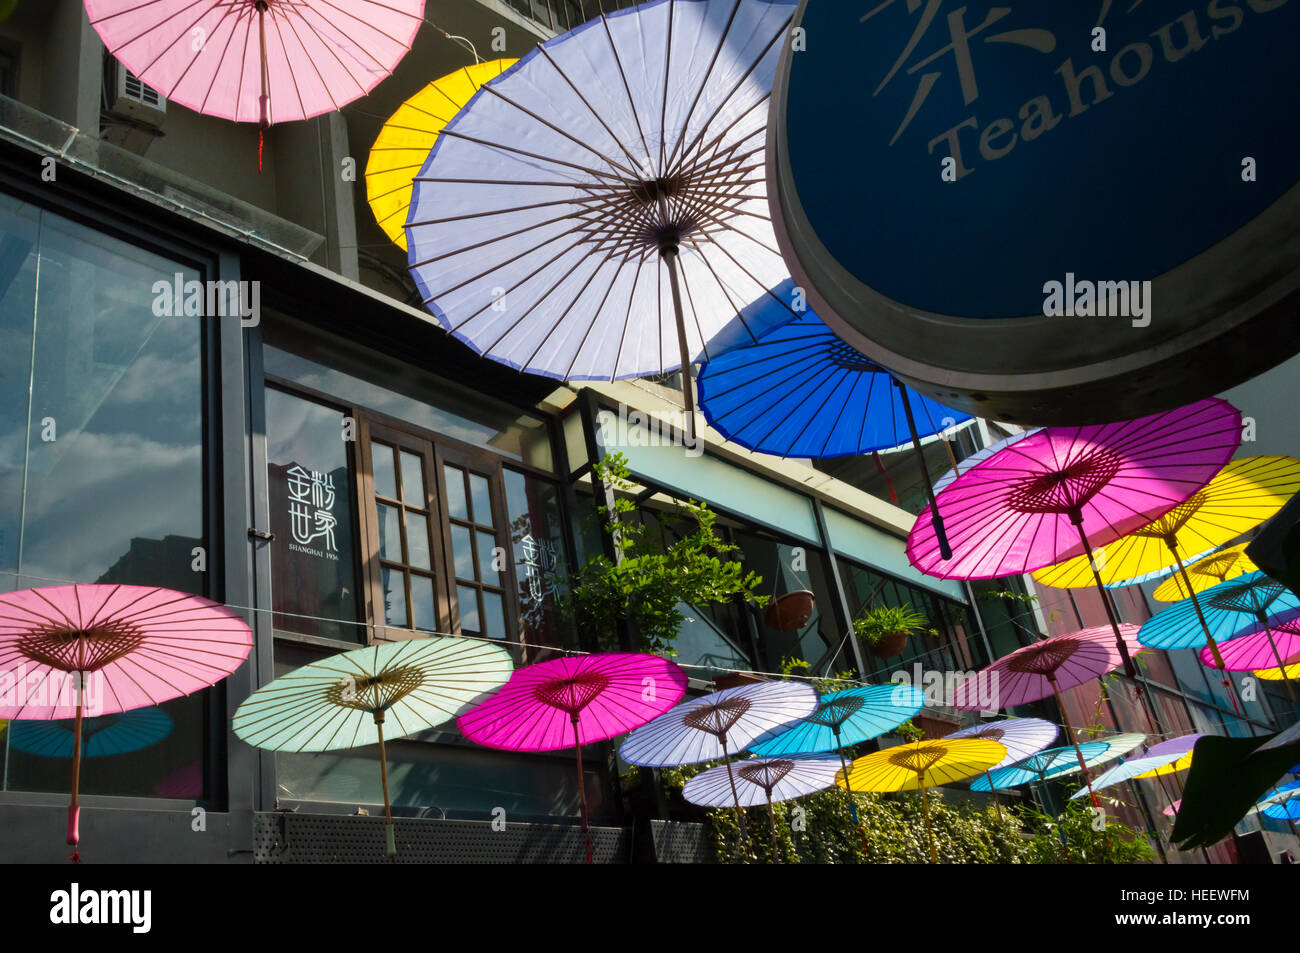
(646, 588)
(1081, 836)
(909, 731)
(879, 623)
(797, 667)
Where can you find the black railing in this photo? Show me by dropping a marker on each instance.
(560, 16)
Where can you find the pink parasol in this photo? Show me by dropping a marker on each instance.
(1046, 668)
(261, 61)
(1060, 492)
(1275, 642)
(66, 651)
(575, 701)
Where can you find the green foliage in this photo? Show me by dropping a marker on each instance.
(798, 668)
(819, 829)
(645, 589)
(883, 621)
(890, 829)
(909, 731)
(1079, 837)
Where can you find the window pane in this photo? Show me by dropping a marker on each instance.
(390, 533)
(461, 553)
(310, 490)
(495, 613)
(478, 488)
(413, 480)
(487, 553)
(456, 505)
(468, 599)
(417, 540)
(101, 472)
(537, 535)
(394, 582)
(423, 610)
(381, 456)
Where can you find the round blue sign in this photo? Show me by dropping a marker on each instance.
(1109, 178)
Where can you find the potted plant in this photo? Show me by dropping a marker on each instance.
(885, 629)
(647, 587)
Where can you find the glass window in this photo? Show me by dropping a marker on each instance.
(331, 365)
(313, 563)
(476, 552)
(101, 473)
(537, 537)
(403, 521)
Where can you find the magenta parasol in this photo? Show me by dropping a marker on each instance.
(574, 702)
(1060, 492)
(1046, 668)
(1274, 642)
(99, 650)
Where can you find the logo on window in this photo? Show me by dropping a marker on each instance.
(538, 562)
(311, 516)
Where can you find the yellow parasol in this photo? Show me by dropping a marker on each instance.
(922, 764)
(1244, 494)
(1289, 672)
(404, 143)
(1207, 573)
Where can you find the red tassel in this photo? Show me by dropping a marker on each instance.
(881, 467)
(75, 857)
(259, 150)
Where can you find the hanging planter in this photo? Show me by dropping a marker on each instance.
(790, 612)
(885, 629)
(890, 645)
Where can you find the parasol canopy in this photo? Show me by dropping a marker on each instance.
(1205, 573)
(1226, 608)
(922, 765)
(599, 211)
(101, 737)
(844, 718)
(70, 651)
(1245, 493)
(1261, 644)
(575, 701)
(1021, 737)
(403, 144)
(979, 456)
(262, 61)
(763, 781)
(1051, 763)
(1143, 767)
(345, 700)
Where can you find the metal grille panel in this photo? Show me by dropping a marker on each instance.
(343, 839)
(681, 843)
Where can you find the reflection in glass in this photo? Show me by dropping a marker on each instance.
(390, 533)
(394, 585)
(481, 499)
(537, 541)
(456, 505)
(423, 614)
(468, 599)
(417, 540)
(412, 480)
(462, 554)
(313, 574)
(495, 616)
(385, 480)
(101, 460)
(487, 554)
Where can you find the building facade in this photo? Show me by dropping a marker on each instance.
(221, 381)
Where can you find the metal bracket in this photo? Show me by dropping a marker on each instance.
(255, 533)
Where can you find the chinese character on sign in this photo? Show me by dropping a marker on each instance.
(311, 500)
(959, 37)
(539, 561)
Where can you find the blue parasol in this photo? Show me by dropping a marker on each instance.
(1226, 608)
(800, 391)
(101, 736)
(1052, 763)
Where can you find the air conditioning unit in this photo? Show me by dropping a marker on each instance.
(137, 100)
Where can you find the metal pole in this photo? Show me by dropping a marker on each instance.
(936, 520)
